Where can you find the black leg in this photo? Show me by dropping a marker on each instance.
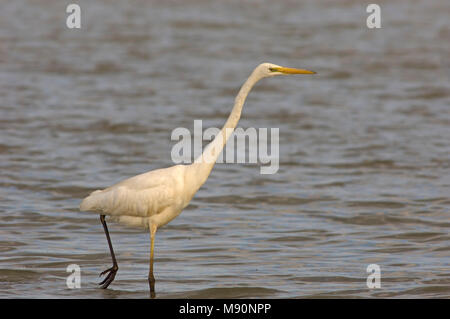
(113, 270)
(151, 278)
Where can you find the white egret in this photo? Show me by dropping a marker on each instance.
(153, 199)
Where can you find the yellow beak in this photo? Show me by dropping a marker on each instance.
(291, 71)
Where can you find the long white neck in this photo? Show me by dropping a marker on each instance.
(198, 172)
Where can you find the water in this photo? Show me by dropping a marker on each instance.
(364, 147)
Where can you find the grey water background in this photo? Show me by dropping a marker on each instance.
(364, 146)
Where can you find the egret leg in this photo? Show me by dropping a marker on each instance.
(151, 278)
(113, 270)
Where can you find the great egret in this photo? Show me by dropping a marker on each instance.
(153, 199)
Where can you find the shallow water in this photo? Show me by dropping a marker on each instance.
(364, 147)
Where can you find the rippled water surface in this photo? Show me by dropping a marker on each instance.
(364, 146)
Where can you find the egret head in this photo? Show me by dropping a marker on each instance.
(270, 69)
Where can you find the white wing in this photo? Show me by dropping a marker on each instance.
(143, 195)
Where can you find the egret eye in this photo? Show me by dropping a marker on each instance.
(273, 70)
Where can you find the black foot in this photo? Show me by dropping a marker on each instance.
(111, 275)
(151, 283)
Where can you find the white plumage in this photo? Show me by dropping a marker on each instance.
(153, 199)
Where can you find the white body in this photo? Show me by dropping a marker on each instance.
(155, 198)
